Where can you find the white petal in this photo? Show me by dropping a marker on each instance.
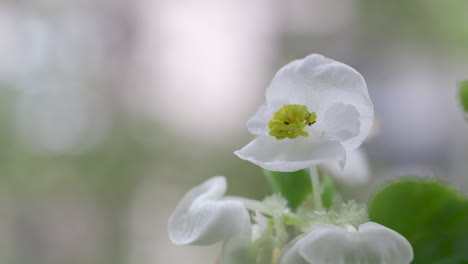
(340, 122)
(319, 83)
(290, 154)
(238, 249)
(258, 124)
(356, 172)
(290, 253)
(201, 218)
(329, 244)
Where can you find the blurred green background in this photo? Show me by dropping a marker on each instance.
(111, 110)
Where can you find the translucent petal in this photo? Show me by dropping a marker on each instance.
(340, 122)
(238, 249)
(356, 172)
(329, 244)
(290, 154)
(319, 83)
(201, 218)
(258, 124)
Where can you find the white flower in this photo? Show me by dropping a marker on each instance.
(202, 218)
(330, 244)
(316, 109)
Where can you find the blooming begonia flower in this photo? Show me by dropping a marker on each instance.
(316, 109)
(203, 218)
(329, 244)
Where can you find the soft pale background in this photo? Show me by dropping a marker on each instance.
(110, 110)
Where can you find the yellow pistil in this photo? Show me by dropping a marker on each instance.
(290, 121)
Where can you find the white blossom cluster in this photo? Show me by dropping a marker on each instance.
(275, 235)
(290, 138)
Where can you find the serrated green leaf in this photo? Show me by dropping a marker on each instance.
(431, 215)
(294, 186)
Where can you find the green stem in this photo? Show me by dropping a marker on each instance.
(316, 189)
(250, 204)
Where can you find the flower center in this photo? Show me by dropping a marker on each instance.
(290, 121)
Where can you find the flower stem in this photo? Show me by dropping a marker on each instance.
(294, 186)
(316, 188)
(250, 204)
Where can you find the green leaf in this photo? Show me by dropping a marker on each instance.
(431, 215)
(294, 186)
(464, 95)
(297, 186)
(329, 192)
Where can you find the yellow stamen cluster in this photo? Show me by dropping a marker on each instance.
(290, 121)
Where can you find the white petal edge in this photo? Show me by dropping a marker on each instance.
(258, 124)
(370, 244)
(319, 82)
(201, 218)
(290, 154)
(238, 249)
(356, 171)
